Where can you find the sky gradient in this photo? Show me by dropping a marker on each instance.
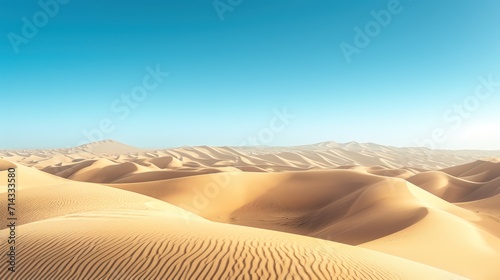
(265, 73)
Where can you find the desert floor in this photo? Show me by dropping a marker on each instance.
(325, 211)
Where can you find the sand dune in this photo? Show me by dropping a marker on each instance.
(45, 196)
(73, 230)
(488, 205)
(322, 155)
(104, 245)
(479, 171)
(323, 211)
(346, 206)
(472, 181)
(447, 187)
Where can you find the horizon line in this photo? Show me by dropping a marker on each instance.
(245, 146)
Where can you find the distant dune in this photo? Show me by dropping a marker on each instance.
(318, 156)
(326, 211)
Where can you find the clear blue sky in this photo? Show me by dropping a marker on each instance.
(230, 68)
